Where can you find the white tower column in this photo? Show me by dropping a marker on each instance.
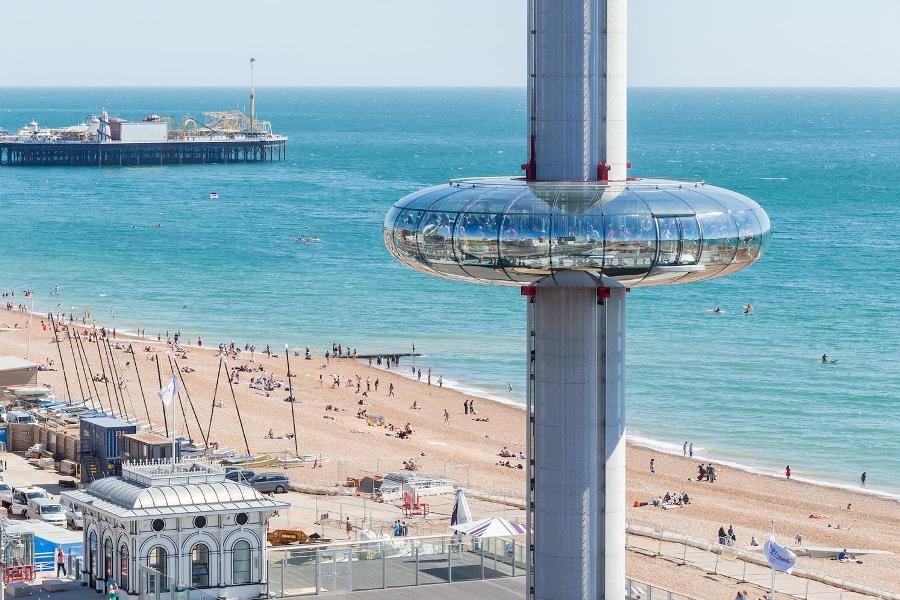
(576, 438)
(578, 89)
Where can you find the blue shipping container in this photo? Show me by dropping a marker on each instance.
(101, 446)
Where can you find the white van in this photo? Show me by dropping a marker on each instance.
(5, 494)
(74, 518)
(23, 495)
(46, 510)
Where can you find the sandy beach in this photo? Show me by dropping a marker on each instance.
(464, 448)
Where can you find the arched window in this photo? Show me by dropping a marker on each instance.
(240, 562)
(157, 559)
(92, 554)
(108, 569)
(200, 566)
(123, 567)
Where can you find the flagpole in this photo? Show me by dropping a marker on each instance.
(174, 414)
(772, 593)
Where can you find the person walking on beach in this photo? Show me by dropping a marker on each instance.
(349, 527)
(466, 406)
(391, 389)
(684, 449)
(862, 478)
(787, 471)
(446, 416)
(691, 450)
(652, 465)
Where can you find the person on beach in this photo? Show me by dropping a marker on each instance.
(390, 389)
(691, 450)
(349, 527)
(684, 449)
(466, 406)
(787, 471)
(652, 465)
(446, 416)
(862, 478)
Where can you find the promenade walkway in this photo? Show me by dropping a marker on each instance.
(743, 566)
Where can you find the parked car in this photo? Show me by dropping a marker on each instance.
(45, 509)
(19, 416)
(270, 482)
(240, 475)
(22, 496)
(74, 518)
(5, 494)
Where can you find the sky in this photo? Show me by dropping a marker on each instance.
(434, 42)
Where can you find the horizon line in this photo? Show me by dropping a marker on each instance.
(426, 86)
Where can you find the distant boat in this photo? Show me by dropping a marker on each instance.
(213, 196)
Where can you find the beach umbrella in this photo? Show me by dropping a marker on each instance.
(490, 527)
(461, 514)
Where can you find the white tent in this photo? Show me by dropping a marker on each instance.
(490, 527)
(461, 514)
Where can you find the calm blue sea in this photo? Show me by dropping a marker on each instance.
(824, 163)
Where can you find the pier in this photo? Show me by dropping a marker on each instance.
(176, 152)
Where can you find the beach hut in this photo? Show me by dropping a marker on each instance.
(490, 527)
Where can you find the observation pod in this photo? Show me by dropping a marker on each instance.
(508, 231)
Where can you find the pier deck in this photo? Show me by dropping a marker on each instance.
(35, 154)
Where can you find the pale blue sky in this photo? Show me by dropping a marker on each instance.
(435, 42)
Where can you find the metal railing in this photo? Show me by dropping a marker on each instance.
(641, 590)
(153, 585)
(391, 562)
(745, 566)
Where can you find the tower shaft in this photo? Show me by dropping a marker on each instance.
(577, 84)
(576, 440)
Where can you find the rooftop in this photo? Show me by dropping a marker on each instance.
(155, 488)
(11, 363)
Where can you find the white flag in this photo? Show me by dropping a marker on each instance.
(779, 557)
(168, 393)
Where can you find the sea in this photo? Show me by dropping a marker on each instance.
(146, 247)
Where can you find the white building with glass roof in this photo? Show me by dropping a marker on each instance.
(156, 527)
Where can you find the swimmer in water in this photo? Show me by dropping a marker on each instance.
(717, 309)
(748, 309)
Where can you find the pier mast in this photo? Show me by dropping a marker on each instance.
(252, 96)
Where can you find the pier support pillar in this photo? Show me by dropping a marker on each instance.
(576, 438)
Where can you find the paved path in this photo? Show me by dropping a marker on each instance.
(734, 568)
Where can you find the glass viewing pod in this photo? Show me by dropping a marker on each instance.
(508, 231)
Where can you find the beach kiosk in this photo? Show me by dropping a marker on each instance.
(164, 528)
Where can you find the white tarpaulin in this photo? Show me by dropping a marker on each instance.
(461, 514)
(779, 557)
(490, 527)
